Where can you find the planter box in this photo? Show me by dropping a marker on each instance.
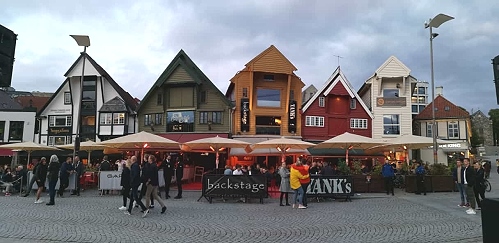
(410, 183)
(360, 185)
(443, 183)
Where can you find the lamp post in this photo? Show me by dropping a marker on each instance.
(434, 23)
(81, 40)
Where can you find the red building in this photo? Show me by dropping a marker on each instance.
(335, 108)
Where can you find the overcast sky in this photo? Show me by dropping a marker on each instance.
(136, 40)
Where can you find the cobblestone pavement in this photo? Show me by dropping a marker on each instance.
(368, 218)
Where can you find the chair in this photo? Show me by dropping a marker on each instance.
(198, 172)
(88, 179)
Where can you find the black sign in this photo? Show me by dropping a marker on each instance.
(292, 117)
(245, 115)
(254, 186)
(59, 131)
(7, 51)
(495, 67)
(330, 186)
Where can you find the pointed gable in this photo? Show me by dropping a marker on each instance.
(443, 109)
(116, 104)
(271, 60)
(393, 67)
(337, 84)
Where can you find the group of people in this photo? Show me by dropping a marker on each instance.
(470, 181)
(12, 180)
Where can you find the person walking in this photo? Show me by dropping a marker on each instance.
(168, 171)
(125, 183)
(457, 174)
(33, 180)
(469, 182)
(40, 175)
(105, 166)
(284, 187)
(479, 187)
(179, 174)
(388, 175)
(135, 181)
(66, 171)
(420, 177)
(294, 180)
(53, 177)
(143, 189)
(79, 170)
(152, 182)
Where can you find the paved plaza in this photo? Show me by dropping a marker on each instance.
(368, 218)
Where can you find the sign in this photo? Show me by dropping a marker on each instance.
(254, 186)
(245, 115)
(59, 130)
(292, 117)
(180, 121)
(330, 186)
(110, 180)
(397, 101)
(60, 111)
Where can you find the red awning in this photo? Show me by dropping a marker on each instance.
(6, 152)
(187, 137)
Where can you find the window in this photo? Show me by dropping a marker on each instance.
(421, 90)
(67, 98)
(216, 117)
(59, 140)
(88, 95)
(291, 94)
(391, 125)
(314, 121)
(268, 97)
(147, 120)
(322, 101)
(270, 125)
(422, 99)
(453, 128)
(60, 121)
(202, 97)
(16, 130)
(119, 118)
(89, 83)
(353, 103)
(429, 130)
(421, 108)
(106, 119)
(245, 92)
(159, 100)
(158, 118)
(447, 108)
(203, 117)
(414, 109)
(357, 123)
(2, 130)
(268, 77)
(390, 93)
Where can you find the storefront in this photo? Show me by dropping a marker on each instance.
(447, 152)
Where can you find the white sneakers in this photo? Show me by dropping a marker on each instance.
(38, 201)
(470, 211)
(298, 206)
(145, 213)
(122, 208)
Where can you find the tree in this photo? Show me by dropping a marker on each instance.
(476, 138)
(494, 116)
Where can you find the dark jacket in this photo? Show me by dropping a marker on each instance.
(469, 175)
(53, 171)
(179, 171)
(8, 177)
(151, 174)
(79, 168)
(387, 171)
(105, 166)
(135, 179)
(168, 167)
(145, 173)
(66, 170)
(313, 170)
(125, 177)
(480, 177)
(40, 172)
(327, 171)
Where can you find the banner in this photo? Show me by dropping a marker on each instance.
(245, 115)
(292, 117)
(72, 182)
(330, 186)
(254, 186)
(110, 180)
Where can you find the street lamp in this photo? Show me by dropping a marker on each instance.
(434, 23)
(81, 40)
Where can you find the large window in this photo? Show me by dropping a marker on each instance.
(268, 97)
(391, 125)
(158, 118)
(60, 121)
(453, 130)
(268, 125)
(357, 123)
(16, 130)
(390, 93)
(119, 118)
(180, 121)
(106, 118)
(147, 119)
(2, 130)
(59, 140)
(67, 98)
(429, 130)
(314, 121)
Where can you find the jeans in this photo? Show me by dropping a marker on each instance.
(304, 199)
(460, 188)
(52, 185)
(298, 197)
(470, 194)
(135, 197)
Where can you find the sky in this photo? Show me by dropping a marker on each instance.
(134, 41)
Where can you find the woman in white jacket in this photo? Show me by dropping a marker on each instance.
(285, 187)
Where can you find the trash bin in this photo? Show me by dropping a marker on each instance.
(490, 219)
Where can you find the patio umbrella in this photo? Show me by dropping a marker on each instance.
(216, 144)
(349, 141)
(28, 147)
(283, 145)
(88, 146)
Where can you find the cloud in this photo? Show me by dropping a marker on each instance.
(136, 40)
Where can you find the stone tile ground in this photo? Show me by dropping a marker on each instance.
(368, 218)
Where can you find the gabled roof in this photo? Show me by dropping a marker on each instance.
(334, 79)
(394, 62)
(116, 104)
(32, 101)
(7, 103)
(443, 109)
(263, 53)
(479, 112)
(183, 60)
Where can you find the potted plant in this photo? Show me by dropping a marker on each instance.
(441, 178)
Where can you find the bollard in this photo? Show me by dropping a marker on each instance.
(490, 218)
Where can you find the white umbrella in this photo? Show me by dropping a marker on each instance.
(28, 147)
(283, 145)
(216, 144)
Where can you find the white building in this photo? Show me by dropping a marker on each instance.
(388, 94)
(107, 111)
(419, 97)
(16, 124)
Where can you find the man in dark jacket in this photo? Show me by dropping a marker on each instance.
(179, 174)
(105, 166)
(388, 175)
(420, 176)
(469, 182)
(152, 182)
(40, 175)
(135, 181)
(53, 176)
(29, 188)
(327, 170)
(168, 170)
(66, 171)
(79, 169)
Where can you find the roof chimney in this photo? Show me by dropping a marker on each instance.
(439, 90)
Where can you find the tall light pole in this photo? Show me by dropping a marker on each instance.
(81, 40)
(434, 23)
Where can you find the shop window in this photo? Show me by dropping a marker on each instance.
(391, 124)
